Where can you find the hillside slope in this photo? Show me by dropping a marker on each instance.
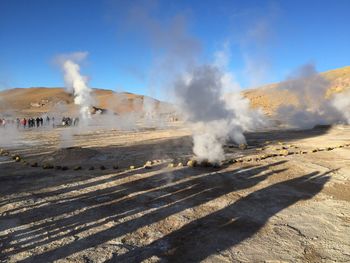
(38, 100)
(31, 101)
(270, 97)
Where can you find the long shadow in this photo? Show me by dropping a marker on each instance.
(187, 190)
(285, 135)
(176, 148)
(228, 227)
(78, 183)
(124, 156)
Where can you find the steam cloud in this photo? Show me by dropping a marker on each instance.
(76, 83)
(309, 88)
(342, 103)
(214, 116)
(206, 93)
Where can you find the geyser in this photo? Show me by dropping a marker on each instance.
(76, 83)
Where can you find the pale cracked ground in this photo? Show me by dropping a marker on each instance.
(291, 208)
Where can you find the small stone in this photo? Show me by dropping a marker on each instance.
(115, 167)
(243, 146)
(284, 152)
(216, 165)
(77, 168)
(102, 167)
(47, 166)
(34, 165)
(180, 165)
(131, 167)
(171, 165)
(148, 165)
(17, 159)
(91, 168)
(192, 163)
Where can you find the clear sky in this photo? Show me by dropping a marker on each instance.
(126, 39)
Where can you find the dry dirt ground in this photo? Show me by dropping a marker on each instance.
(284, 199)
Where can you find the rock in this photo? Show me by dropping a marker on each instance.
(329, 148)
(148, 165)
(64, 168)
(192, 163)
(180, 165)
(243, 146)
(115, 167)
(131, 167)
(34, 164)
(91, 168)
(17, 159)
(4, 152)
(58, 167)
(216, 165)
(284, 152)
(77, 168)
(102, 167)
(262, 157)
(171, 165)
(47, 166)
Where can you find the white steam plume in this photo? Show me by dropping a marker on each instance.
(198, 88)
(341, 102)
(76, 83)
(214, 116)
(309, 88)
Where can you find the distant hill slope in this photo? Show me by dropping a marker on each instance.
(39, 100)
(30, 101)
(270, 97)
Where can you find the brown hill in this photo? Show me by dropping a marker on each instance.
(270, 97)
(39, 100)
(31, 101)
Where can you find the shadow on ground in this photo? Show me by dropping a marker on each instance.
(72, 218)
(146, 201)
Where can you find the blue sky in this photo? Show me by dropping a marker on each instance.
(267, 39)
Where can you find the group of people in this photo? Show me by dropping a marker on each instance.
(37, 122)
(68, 121)
(27, 122)
(31, 122)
